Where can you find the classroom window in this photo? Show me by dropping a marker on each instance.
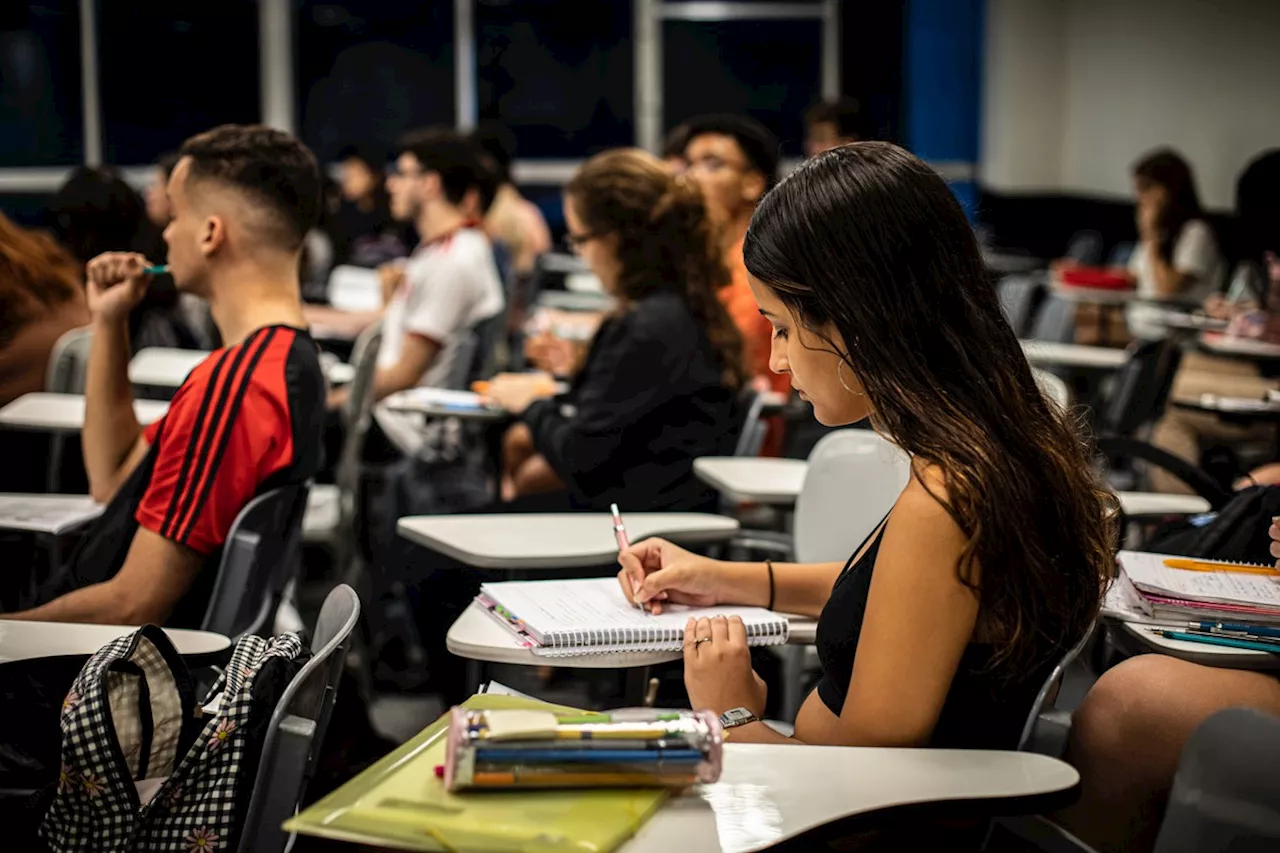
(173, 71)
(41, 122)
(558, 73)
(768, 69)
(369, 70)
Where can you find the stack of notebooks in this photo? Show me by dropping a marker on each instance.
(1168, 589)
(584, 617)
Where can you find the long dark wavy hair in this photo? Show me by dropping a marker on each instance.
(1167, 168)
(868, 248)
(665, 239)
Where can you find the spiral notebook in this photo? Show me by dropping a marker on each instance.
(591, 616)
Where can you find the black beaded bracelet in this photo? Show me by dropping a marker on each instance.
(769, 565)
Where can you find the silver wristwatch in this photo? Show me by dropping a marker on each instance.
(735, 717)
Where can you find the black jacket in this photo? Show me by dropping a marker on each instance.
(649, 400)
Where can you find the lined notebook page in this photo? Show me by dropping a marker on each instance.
(591, 616)
(1149, 573)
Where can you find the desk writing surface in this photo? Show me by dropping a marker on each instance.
(22, 640)
(43, 410)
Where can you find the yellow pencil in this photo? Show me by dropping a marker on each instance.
(1202, 566)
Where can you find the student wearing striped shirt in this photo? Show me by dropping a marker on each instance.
(248, 419)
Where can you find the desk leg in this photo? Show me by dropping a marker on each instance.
(637, 682)
(478, 672)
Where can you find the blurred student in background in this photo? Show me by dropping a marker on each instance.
(834, 122)
(41, 298)
(1253, 307)
(657, 388)
(362, 229)
(734, 160)
(673, 149)
(95, 212)
(1177, 256)
(512, 219)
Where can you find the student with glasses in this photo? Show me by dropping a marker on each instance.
(735, 161)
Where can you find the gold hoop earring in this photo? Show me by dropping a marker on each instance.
(843, 384)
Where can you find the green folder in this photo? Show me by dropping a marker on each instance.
(400, 803)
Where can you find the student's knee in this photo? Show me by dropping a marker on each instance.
(1127, 707)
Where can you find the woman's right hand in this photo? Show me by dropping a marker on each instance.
(655, 571)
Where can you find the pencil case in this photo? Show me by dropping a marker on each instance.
(522, 749)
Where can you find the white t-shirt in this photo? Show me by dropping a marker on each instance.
(1195, 253)
(449, 286)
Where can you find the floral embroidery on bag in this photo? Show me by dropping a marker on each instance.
(67, 780)
(202, 840)
(221, 735)
(174, 796)
(71, 701)
(93, 786)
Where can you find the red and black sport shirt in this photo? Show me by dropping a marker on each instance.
(249, 418)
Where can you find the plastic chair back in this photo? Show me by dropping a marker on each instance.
(1055, 322)
(1141, 387)
(854, 477)
(69, 362)
(261, 553)
(751, 435)
(1019, 296)
(1053, 387)
(297, 727)
(1226, 793)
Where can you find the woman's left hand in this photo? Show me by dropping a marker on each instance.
(514, 392)
(717, 667)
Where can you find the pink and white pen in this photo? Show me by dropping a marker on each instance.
(620, 534)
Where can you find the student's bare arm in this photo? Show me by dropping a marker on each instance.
(155, 575)
(415, 358)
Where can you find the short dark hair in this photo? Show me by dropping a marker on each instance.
(266, 164)
(95, 211)
(355, 152)
(454, 157)
(845, 113)
(757, 142)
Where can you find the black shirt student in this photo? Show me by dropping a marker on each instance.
(648, 401)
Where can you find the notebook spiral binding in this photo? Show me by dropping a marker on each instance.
(648, 639)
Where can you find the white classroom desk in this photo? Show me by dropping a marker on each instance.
(65, 412)
(443, 403)
(32, 640)
(1055, 354)
(1242, 348)
(477, 635)
(769, 793)
(51, 515)
(1134, 504)
(754, 480)
(1201, 653)
(166, 367)
(554, 540)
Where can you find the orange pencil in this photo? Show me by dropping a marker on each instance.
(1191, 565)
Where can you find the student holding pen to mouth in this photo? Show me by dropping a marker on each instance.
(943, 625)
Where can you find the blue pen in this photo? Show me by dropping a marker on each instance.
(1221, 640)
(1228, 628)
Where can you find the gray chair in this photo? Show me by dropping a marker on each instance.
(69, 362)
(1226, 793)
(332, 509)
(466, 348)
(1045, 732)
(298, 726)
(751, 436)
(260, 555)
(1055, 322)
(65, 374)
(1019, 297)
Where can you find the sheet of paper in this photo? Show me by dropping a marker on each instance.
(1149, 573)
(46, 513)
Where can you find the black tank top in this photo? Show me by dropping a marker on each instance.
(983, 710)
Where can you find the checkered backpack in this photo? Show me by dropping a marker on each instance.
(145, 768)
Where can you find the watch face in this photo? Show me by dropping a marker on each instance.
(736, 717)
